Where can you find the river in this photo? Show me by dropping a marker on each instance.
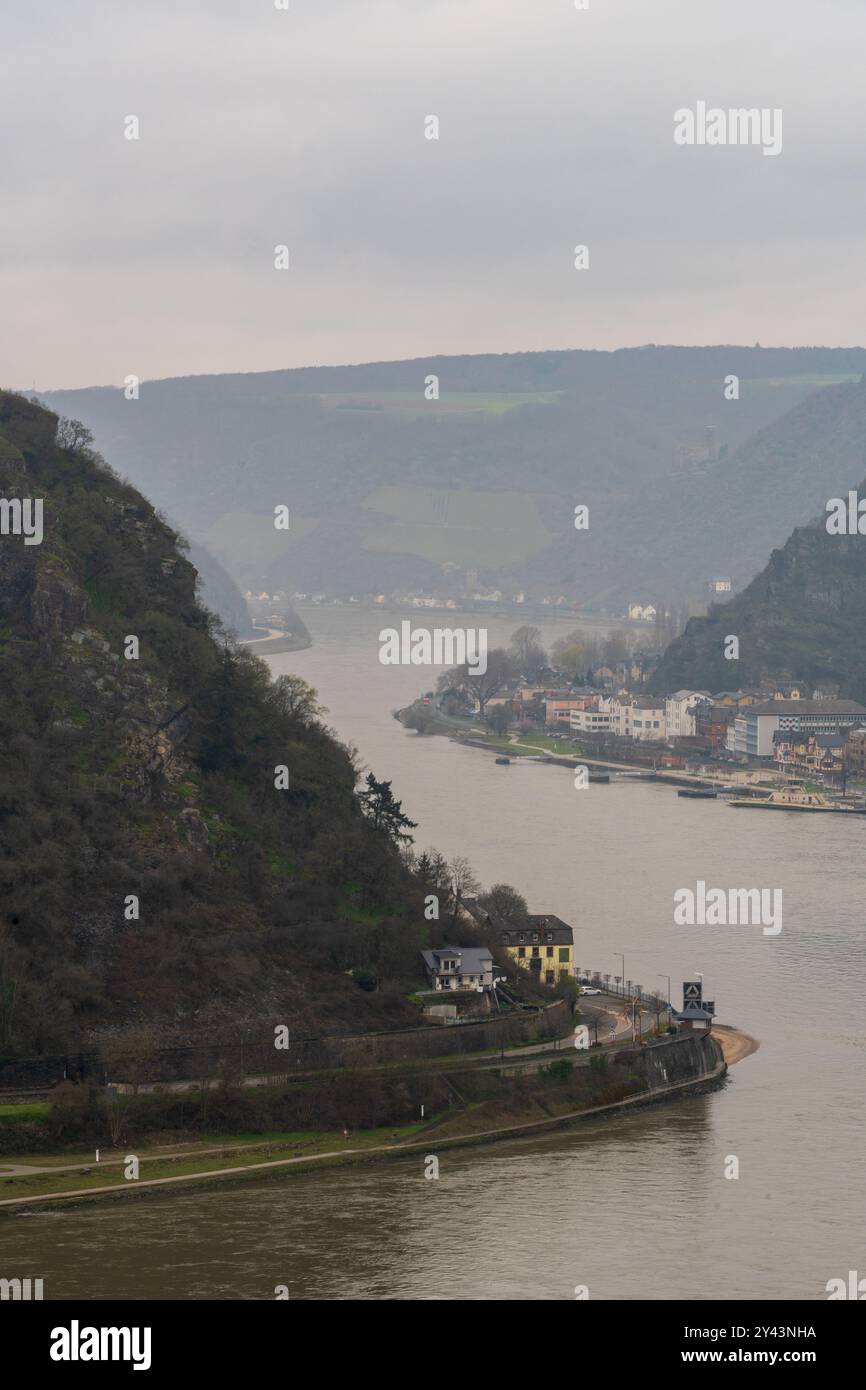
(633, 1207)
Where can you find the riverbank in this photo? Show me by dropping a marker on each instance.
(535, 1112)
(555, 750)
(734, 1044)
(273, 642)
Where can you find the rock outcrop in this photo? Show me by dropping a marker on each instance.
(802, 619)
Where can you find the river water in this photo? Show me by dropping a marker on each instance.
(631, 1207)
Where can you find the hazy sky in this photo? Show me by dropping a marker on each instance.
(306, 127)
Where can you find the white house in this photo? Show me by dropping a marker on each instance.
(638, 717)
(646, 719)
(680, 712)
(459, 967)
(619, 707)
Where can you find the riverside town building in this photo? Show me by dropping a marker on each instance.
(752, 730)
(545, 946)
(459, 967)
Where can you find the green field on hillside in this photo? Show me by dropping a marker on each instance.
(466, 528)
(761, 383)
(449, 402)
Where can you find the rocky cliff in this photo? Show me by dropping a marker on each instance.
(801, 619)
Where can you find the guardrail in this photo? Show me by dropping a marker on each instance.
(621, 989)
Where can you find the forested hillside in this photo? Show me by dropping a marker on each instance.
(778, 479)
(802, 619)
(150, 867)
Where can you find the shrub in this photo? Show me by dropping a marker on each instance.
(73, 1111)
(560, 1070)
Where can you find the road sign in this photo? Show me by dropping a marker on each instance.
(692, 991)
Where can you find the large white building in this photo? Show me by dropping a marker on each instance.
(754, 727)
(647, 720)
(680, 712)
(638, 717)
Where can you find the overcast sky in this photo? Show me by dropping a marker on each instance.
(306, 127)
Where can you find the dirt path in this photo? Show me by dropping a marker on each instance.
(272, 634)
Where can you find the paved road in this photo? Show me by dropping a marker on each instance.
(273, 634)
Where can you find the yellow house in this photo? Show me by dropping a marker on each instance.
(545, 946)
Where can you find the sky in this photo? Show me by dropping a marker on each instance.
(305, 127)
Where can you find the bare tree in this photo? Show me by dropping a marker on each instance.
(115, 1119)
(463, 884)
(8, 988)
(569, 653)
(618, 645)
(499, 718)
(484, 685)
(73, 435)
(131, 1057)
(527, 650)
(505, 903)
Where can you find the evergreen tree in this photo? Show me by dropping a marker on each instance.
(385, 811)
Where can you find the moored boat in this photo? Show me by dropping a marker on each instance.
(699, 793)
(795, 798)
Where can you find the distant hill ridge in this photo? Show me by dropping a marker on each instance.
(545, 369)
(478, 487)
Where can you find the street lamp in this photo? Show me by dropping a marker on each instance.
(621, 955)
(658, 1011)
